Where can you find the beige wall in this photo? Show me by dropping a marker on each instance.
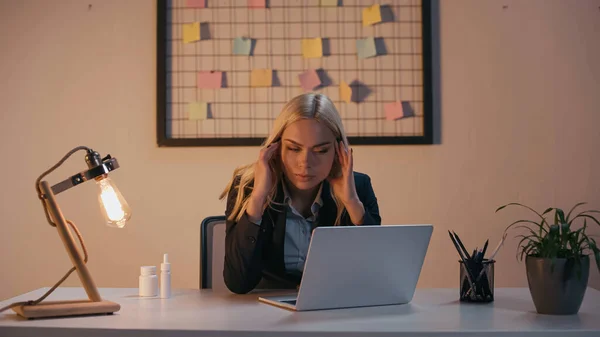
(520, 114)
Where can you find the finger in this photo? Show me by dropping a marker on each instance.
(273, 147)
(351, 160)
(267, 152)
(343, 155)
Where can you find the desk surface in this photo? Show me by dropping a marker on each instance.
(433, 312)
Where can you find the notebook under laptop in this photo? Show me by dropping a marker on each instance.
(359, 266)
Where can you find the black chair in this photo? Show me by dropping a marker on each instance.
(212, 258)
(212, 252)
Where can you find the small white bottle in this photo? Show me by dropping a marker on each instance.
(148, 281)
(165, 277)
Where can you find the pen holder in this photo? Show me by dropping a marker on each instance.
(477, 281)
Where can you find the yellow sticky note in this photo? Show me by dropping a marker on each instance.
(261, 78)
(371, 15)
(197, 110)
(329, 3)
(345, 92)
(312, 48)
(191, 32)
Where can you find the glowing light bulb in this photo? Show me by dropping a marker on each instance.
(115, 209)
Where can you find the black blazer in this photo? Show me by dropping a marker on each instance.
(255, 253)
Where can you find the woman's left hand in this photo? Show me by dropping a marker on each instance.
(343, 186)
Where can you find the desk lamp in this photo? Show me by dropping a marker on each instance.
(116, 213)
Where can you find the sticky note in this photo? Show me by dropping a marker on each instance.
(366, 47)
(393, 111)
(197, 110)
(309, 80)
(261, 78)
(242, 46)
(312, 48)
(210, 79)
(191, 32)
(371, 15)
(195, 3)
(345, 92)
(257, 3)
(329, 3)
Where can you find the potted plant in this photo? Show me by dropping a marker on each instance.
(557, 258)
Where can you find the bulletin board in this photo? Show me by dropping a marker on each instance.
(225, 68)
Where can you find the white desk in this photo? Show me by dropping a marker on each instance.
(433, 312)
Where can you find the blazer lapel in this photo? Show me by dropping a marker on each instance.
(328, 211)
(278, 216)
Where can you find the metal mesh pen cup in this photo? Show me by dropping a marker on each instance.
(477, 281)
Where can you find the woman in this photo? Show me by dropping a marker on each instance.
(302, 179)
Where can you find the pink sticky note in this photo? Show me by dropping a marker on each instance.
(309, 80)
(257, 4)
(195, 3)
(210, 79)
(393, 111)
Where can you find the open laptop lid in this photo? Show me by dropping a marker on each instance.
(363, 266)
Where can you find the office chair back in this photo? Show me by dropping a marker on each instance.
(212, 253)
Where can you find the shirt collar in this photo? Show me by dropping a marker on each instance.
(287, 199)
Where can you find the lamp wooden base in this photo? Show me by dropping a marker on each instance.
(67, 308)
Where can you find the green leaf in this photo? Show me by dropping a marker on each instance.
(589, 217)
(561, 215)
(547, 210)
(518, 204)
(572, 209)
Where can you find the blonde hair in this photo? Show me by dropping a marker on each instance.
(306, 106)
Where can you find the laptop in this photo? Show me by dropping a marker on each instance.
(359, 266)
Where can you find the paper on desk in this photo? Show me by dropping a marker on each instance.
(242, 46)
(309, 80)
(366, 47)
(345, 92)
(371, 15)
(329, 3)
(257, 4)
(261, 78)
(191, 32)
(195, 3)
(210, 79)
(312, 48)
(197, 110)
(393, 111)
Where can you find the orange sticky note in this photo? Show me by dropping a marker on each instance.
(345, 92)
(257, 3)
(371, 15)
(210, 79)
(261, 78)
(191, 32)
(195, 3)
(393, 111)
(312, 48)
(197, 110)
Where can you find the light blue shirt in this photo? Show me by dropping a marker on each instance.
(297, 232)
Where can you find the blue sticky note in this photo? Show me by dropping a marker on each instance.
(366, 47)
(242, 46)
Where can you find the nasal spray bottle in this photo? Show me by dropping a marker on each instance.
(165, 277)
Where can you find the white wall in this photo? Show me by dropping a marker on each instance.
(519, 106)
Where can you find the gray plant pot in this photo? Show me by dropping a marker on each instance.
(559, 291)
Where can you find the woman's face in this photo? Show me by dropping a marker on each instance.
(307, 153)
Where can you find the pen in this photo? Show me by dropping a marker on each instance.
(461, 245)
(460, 253)
(485, 245)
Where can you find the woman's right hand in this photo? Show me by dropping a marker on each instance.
(263, 181)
